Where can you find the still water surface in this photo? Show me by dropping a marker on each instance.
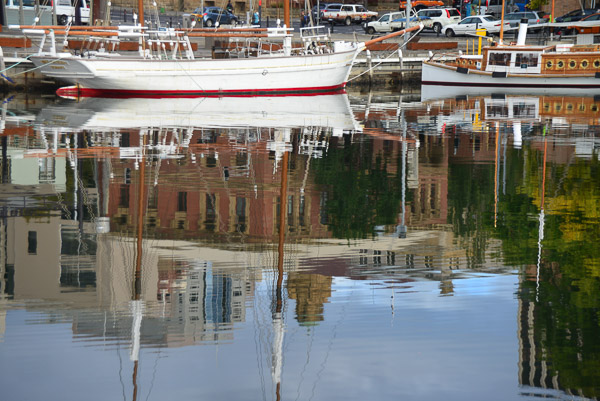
(355, 246)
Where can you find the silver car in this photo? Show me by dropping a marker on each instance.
(533, 18)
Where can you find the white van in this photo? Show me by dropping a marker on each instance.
(65, 12)
(13, 14)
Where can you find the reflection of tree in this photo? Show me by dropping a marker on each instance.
(470, 207)
(567, 319)
(365, 190)
(311, 292)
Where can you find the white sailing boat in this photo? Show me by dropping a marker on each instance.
(166, 65)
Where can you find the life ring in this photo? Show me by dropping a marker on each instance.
(597, 63)
(549, 64)
(572, 64)
(560, 64)
(584, 64)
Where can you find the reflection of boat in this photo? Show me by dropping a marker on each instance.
(566, 66)
(435, 92)
(332, 111)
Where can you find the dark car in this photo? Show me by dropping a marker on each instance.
(316, 12)
(576, 15)
(210, 15)
(594, 26)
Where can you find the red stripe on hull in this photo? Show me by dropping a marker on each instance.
(74, 91)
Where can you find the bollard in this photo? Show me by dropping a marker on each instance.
(331, 22)
(124, 15)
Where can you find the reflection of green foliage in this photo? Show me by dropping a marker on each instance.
(567, 308)
(363, 192)
(470, 205)
(566, 320)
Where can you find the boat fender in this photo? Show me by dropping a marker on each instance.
(462, 70)
(499, 74)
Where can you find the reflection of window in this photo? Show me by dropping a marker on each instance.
(240, 214)
(497, 111)
(524, 110)
(182, 201)
(499, 59)
(301, 210)
(32, 242)
(210, 213)
(124, 196)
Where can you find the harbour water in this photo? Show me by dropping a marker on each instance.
(352, 246)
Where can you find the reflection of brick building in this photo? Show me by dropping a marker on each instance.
(228, 191)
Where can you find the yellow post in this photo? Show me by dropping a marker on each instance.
(473, 53)
(481, 33)
(467, 52)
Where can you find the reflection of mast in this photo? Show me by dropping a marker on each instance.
(401, 228)
(496, 170)
(136, 305)
(278, 326)
(541, 220)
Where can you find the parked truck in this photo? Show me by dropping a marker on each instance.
(394, 21)
(65, 11)
(348, 14)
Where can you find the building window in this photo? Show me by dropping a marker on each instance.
(211, 213)
(240, 214)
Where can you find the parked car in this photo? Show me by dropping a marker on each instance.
(589, 24)
(533, 18)
(347, 14)
(421, 4)
(469, 25)
(316, 11)
(576, 15)
(211, 15)
(394, 21)
(494, 7)
(440, 17)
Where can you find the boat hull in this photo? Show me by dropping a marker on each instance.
(442, 75)
(131, 76)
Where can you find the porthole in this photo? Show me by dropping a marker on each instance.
(572, 64)
(594, 108)
(546, 106)
(560, 64)
(582, 108)
(569, 107)
(585, 64)
(597, 63)
(549, 64)
(557, 107)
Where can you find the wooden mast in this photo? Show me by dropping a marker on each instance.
(286, 13)
(502, 24)
(141, 12)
